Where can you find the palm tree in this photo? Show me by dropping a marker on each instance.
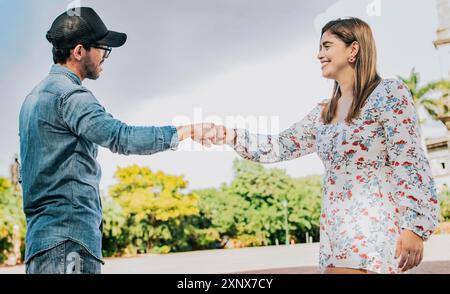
(436, 107)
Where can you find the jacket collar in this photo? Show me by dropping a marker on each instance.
(59, 69)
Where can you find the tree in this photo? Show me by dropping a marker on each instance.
(264, 190)
(422, 96)
(444, 204)
(155, 208)
(115, 239)
(151, 212)
(11, 216)
(250, 210)
(305, 204)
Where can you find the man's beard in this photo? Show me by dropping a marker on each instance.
(90, 69)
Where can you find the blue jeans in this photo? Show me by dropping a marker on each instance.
(68, 257)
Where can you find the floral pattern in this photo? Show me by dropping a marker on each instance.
(377, 177)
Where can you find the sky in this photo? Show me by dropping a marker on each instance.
(209, 60)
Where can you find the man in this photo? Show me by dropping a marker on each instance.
(61, 124)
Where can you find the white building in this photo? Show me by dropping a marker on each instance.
(438, 148)
(439, 156)
(442, 42)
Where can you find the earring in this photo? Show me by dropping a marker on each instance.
(351, 59)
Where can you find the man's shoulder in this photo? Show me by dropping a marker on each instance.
(64, 85)
(57, 85)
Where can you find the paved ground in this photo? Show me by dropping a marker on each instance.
(300, 258)
(430, 267)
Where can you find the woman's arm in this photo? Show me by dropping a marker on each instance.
(415, 188)
(298, 140)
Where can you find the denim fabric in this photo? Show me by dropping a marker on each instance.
(66, 258)
(61, 125)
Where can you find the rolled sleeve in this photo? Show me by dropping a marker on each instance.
(173, 137)
(85, 117)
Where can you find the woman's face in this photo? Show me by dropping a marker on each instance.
(334, 56)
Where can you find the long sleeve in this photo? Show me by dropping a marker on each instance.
(85, 117)
(415, 189)
(298, 140)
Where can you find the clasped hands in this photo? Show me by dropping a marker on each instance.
(207, 134)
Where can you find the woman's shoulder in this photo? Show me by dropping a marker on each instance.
(392, 90)
(391, 85)
(394, 97)
(318, 109)
(316, 112)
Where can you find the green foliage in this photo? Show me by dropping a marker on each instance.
(114, 220)
(444, 203)
(148, 212)
(152, 212)
(250, 210)
(11, 214)
(305, 205)
(436, 106)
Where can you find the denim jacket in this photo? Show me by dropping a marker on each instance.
(61, 124)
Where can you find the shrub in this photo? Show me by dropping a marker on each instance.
(11, 215)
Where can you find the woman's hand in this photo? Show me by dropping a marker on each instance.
(207, 134)
(225, 136)
(410, 249)
(204, 133)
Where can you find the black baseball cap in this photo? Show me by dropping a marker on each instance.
(82, 25)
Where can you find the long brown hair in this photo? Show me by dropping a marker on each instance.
(351, 30)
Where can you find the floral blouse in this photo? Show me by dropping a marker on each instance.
(377, 178)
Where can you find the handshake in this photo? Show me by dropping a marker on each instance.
(207, 134)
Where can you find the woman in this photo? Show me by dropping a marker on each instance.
(379, 200)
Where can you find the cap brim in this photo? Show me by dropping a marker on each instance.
(113, 39)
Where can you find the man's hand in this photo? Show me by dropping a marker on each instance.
(410, 249)
(224, 136)
(204, 133)
(207, 134)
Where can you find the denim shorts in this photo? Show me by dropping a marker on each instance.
(68, 257)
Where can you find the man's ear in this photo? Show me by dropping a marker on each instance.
(78, 52)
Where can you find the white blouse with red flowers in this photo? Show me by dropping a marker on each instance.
(377, 178)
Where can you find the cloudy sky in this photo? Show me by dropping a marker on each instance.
(209, 60)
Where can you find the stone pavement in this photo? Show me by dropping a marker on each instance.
(300, 258)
